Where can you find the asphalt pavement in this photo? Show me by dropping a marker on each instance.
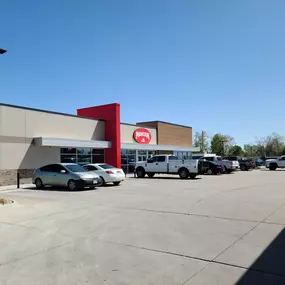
(226, 229)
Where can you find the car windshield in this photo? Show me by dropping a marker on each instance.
(106, 166)
(219, 158)
(75, 168)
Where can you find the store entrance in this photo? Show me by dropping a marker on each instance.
(130, 157)
(142, 155)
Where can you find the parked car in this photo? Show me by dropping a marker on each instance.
(167, 164)
(107, 173)
(245, 165)
(234, 160)
(218, 160)
(70, 175)
(209, 167)
(228, 165)
(260, 162)
(251, 161)
(273, 164)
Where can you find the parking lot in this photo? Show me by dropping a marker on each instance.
(224, 230)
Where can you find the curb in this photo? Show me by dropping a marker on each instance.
(14, 187)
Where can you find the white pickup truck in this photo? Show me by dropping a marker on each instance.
(167, 164)
(272, 164)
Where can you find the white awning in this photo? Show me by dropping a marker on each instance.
(158, 147)
(70, 143)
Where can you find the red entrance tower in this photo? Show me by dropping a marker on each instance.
(110, 113)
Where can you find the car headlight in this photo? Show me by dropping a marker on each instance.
(83, 177)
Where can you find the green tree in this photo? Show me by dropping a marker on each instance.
(236, 150)
(274, 144)
(198, 142)
(218, 144)
(230, 141)
(250, 150)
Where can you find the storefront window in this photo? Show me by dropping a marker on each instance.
(82, 155)
(97, 155)
(150, 153)
(124, 159)
(98, 158)
(129, 158)
(142, 158)
(98, 151)
(84, 151)
(83, 159)
(68, 158)
(68, 150)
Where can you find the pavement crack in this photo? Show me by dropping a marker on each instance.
(240, 238)
(36, 253)
(208, 261)
(187, 214)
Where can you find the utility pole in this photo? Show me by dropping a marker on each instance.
(203, 141)
(223, 142)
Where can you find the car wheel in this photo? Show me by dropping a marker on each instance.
(192, 176)
(92, 187)
(102, 181)
(140, 173)
(39, 183)
(150, 175)
(209, 171)
(242, 167)
(183, 173)
(71, 185)
(272, 166)
(117, 183)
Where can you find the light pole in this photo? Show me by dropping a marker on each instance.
(2, 51)
(223, 143)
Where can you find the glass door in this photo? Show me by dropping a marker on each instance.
(142, 155)
(150, 153)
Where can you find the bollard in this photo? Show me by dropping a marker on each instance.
(18, 180)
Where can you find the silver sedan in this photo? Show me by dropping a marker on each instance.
(70, 175)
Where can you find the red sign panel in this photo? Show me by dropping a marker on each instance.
(142, 136)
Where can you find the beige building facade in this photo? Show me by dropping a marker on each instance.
(31, 138)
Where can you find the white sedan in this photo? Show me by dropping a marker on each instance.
(106, 172)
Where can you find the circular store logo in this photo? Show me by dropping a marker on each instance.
(142, 136)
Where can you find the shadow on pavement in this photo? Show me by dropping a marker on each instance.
(269, 267)
(167, 178)
(60, 189)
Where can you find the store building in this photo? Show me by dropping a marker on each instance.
(30, 138)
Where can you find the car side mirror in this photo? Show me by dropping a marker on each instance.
(63, 171)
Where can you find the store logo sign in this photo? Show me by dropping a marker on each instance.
(142, 136)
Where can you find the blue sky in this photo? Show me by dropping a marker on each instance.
(214, 65)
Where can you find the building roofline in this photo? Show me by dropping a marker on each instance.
(48, 112)
(134, 125)
(163, 122)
